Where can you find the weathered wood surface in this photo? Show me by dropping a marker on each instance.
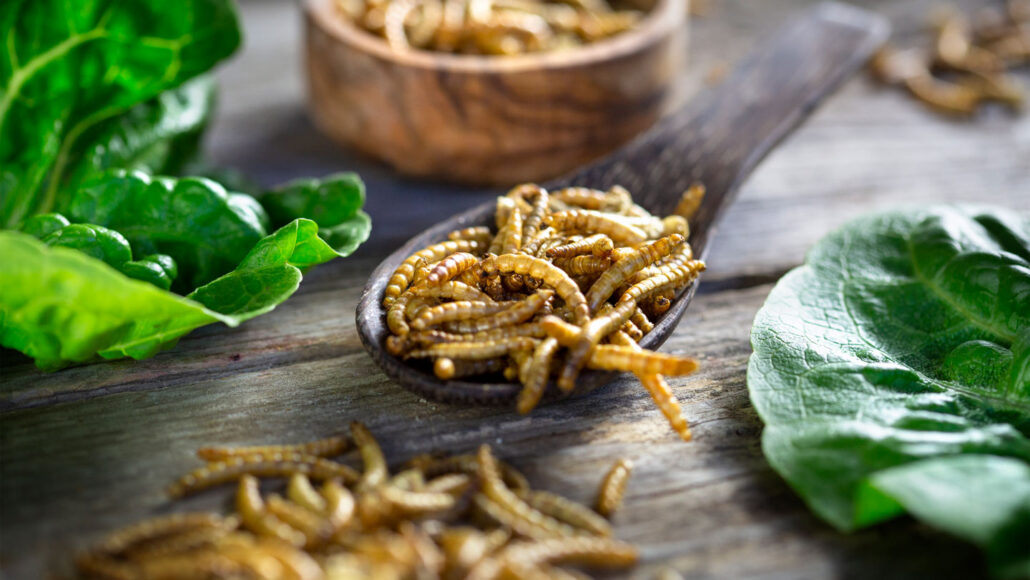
(91, 448)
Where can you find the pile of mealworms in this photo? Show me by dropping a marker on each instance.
(459, 516)
(492, 27)
(571, 279)
(969, 62)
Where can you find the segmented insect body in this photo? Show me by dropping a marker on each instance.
(531, 226)
(587, 221)
(568, 511)
(641, 321)
(339, 504)
(623, 269)
(613, 487)
(301, 492)
(584, 265)
(328, 447)
(375, 473)
(587, 341)
(597, 244)
(316, 530)
(450, 483)
(549, 273)
(475, 350)
(275, 465)
(446, 369)
(251, 508)
(151, 529)
(480, 234)
(418, 502)
(450, 267)
(460, 310)
(402, 276)
(536, 375)
(638, 361)
(667, 403)
(507, 318)
(587, 198)
(453, 291)
(581, 550)
(671, 277)
(511, 235)
(521, 516)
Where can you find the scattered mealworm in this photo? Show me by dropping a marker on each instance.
(328, 447)
(613, 487)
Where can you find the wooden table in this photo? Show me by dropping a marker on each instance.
(88, 449)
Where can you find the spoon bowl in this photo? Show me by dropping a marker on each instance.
(717, 140)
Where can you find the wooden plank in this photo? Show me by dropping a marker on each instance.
(712, 507)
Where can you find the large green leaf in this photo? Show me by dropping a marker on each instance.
(897, 352)
(334, 202)
(194, 220)
(70, 66)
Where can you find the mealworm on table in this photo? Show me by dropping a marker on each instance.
(328, 447)
(613, 487)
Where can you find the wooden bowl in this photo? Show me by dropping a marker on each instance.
(489, 120)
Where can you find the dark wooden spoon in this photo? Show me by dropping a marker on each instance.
(717, 139)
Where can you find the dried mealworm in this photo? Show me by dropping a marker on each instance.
(516, 313)
(587, 221)
(613, 487)
(667, 403)
(328, 447)
(533, 221)
(511, 235)
(205, 564)
(536, 377)
(514, 283)
(550, 274)
(252, 511)
(524, 518)
(502, 213)
(583, 265)
(375, 472)
(316, 530)
(690, 202)
(450, 267)
(641, 321)
(301, 492)
(282, 465)
(675, 224)
(480, 234)
(660, 305)
(671, 276)
(449, 483)
(402, 276)
(453, 291)
(181, 542)
(530, 329)
(568, 511)
(623, 269)
(632, 331)
(469, 465)
(640, 362)
(153, 528)
(587, 198)
(409, 479)
(339, 503)
(446, 369)
(460, 310)
(587, 341)
(295, 564)
(581, 550)
(464, 548)
(417, 502)
(597, 244)
(475, 350)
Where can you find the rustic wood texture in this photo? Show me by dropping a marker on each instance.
(717, 139)
(489, 120)
(91, 448)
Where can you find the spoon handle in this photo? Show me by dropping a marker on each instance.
(720, 136)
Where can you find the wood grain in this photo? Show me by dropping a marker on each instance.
(493, 120)
(90, 448)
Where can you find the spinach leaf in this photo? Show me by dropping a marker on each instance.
(194, 220)
(891, 373)
(71, 66)
(334, 202)
(104, 244)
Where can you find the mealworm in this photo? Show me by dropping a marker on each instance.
(660, 305)
(339, 503)
(455, 369)
(621, 270)
(586, 221)
(690, 201)
(531, 226)
(640, 362)
(641, 321)
(671, 276)
(502, 213)
(599, 245)
(511, 236)
(613, 487)
(295, 564)
(581, 265)
(535, 382)
(632, 331)
(590, 336)
(463, 548)
(549, 273)
(252, 511)
(667, 403)
(153, 528)
(450, 267)
(513, 283)
(568, 511)
(205, 564)
(375, 472)
(480, 234)
(402, 276)
(530, 329)
(276, 465)
(449, 483)
(417, 502)
(587, 198)
(301, 492)
(581, 550)
(460, 310)
(493, 285)
(519, 312)
(181, 542)
(520, 516)
(468, 465)
(474, 350)
(316, 531)
(453, 291)
(675, 224)
(328, 447)
(409, 479)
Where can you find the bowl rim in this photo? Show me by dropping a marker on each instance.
(660, 22)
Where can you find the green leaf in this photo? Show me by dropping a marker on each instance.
(334, 202)
(194, 220)
(60, 306)
(892, 362)
(39, 226)
(269, 274)
(68, 67)
(106, 245)
(157, 269)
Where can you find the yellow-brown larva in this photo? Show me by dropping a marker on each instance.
(513, 282)
(639, 361)
(449, 483)
(623, 269)
(301, 492)
(409, 479)
(316, 530)
(417, 502)
(597, 244)
(551, 275)
(659, 305)
(581, 550)
(402, 276)
(517, 313)
(530, 329)
(568, 511)
(632, 331)
(252, 512)
(524, 519)
(339, 504)
(453, 291)
(671, 277)
(283, 465)
(613, 487)
(153, 528)
(375, 471)
(181, 542)
(590, 336)
(536, 377)
(205, 564)
(328, 447)
(480, 234)
(667, 403)
(510, 237)
(641, 321)
(449, 267)
(474, 350)
(469, 465)
(587, 198)
(460, 310)
(446, 369)
(583, 265)
(587, 221)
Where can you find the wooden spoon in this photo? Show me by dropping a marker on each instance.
(717, 139)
